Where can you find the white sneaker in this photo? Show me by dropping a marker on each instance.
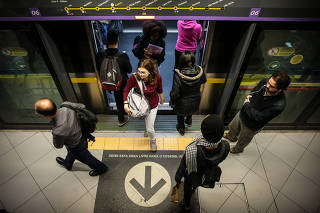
(153, 146)
(145, 134)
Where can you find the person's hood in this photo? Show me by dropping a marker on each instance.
(190, 75)
(188, 24)
(221, 153)
(111, 51)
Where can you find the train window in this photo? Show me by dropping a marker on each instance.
(295, 51)
(72, 42)
(315, 117)
(24, 77)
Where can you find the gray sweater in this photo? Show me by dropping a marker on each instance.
(66, 128)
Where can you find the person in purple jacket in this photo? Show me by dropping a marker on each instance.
(189, 31)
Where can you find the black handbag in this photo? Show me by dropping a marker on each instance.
(211, 176)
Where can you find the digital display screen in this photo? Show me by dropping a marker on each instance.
(250, 10)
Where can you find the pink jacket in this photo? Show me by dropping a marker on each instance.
(188, 34)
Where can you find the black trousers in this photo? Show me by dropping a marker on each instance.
(177, 55)
(181, 121)
(82, 154)
(118, 96)
(189, 189)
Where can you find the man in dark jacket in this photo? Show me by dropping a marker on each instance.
(125, 68)
(203, 154)
(266, 101)
(66, 131)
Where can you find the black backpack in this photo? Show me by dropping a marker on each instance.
(88, 121)
(110, 74)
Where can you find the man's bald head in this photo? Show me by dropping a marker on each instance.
(45, 107)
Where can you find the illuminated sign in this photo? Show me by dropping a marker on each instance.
(237, 10)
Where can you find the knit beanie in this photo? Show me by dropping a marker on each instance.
(212, 128)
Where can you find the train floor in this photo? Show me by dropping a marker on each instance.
(278, 172)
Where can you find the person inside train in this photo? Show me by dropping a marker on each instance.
(125, 68)
(151, 44)
(185, 93)
(66, 131)
(199, 164)
(148, 73)
(265, 102)
(189, 32)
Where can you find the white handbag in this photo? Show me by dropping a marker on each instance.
(138, 104)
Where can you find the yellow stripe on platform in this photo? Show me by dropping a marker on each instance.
(293, 84)
(138, 143)
(216, 80)
(84, 80)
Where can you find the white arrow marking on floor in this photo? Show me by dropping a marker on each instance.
(147, 184)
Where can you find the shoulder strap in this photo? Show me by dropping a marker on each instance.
(140, 84)
(67, 106)
(89, 136)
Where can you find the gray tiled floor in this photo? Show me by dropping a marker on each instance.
(280, 171)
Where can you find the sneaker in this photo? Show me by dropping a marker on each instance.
(226, 136)
(122, 123)
(235, 151)
(153, 146)
(188, 124)
(180, 130)
(145, 134)
(60, 161)
(94, 172)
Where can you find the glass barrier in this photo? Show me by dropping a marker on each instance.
(295, 51)
(24, 77)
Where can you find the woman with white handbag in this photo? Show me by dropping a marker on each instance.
(147, 84)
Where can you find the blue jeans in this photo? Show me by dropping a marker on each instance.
(82, 154)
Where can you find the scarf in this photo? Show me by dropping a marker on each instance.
(191, 152)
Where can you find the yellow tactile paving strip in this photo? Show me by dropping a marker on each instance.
(138, 143)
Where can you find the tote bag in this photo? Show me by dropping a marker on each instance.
(138, 104)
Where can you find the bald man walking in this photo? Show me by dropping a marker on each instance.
(66, 131)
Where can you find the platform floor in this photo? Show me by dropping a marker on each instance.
(280, 171)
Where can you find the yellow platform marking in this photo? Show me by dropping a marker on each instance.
(139, 143)
(216, 80)
(170, 144)
(84, 80)
(111, 143)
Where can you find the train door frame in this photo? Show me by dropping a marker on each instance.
(79, 69)
(57, 64)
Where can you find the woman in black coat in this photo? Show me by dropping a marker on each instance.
(185, 93)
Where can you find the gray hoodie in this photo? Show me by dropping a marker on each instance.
(66, 128)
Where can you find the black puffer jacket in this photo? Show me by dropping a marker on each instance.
(185, 93)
